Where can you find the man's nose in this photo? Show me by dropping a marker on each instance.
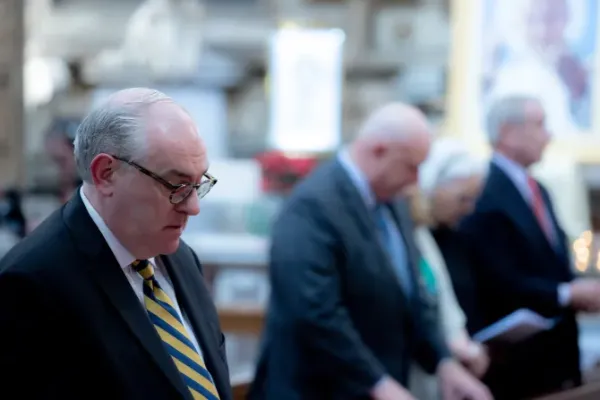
(191, 205)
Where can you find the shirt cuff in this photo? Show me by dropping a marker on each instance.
(380, 382)
(564, 294)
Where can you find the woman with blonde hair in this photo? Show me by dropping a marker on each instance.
(449, 184)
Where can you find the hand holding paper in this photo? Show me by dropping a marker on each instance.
(471, 354)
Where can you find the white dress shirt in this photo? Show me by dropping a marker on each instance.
(124, 258)
(519, 175)
(516, 173)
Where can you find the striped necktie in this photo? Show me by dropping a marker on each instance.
(175, 337)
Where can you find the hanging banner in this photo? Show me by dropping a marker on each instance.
(306, 78)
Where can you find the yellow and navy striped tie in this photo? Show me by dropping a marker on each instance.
(174, 336)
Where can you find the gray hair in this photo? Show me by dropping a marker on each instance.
(506, 110)
(115, 127)
(448, 160)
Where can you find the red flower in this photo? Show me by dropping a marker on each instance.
(281, 173)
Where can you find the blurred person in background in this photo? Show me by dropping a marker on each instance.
(59, 147)
(7, 241)
(345, 319)
(104, 296)
(12, 217)
(450, 180)
(523, 257)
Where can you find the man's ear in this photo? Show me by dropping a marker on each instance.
(379, 149)
(103, 169)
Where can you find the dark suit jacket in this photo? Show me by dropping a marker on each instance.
(71, 326)
(338, 320)
(519, 268)
(461, 266)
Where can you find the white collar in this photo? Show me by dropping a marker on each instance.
(358, 178)
(123, 256)
(515, 172)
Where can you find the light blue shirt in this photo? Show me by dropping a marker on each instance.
(388, 230)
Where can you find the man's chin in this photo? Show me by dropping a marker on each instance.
(170, 246)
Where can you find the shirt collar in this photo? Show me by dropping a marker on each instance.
(515, 172)
(358, 178)
(123, 256)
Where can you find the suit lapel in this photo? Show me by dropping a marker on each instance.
(364, 217)
(560, 247)
(193, 297)
(106, 272)
(517, 208)
(351, 197)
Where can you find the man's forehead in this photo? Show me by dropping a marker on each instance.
(188, 172)
(534, 111)
(177, 157)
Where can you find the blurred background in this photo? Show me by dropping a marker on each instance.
(275, 86)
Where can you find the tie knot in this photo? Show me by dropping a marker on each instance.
(144, 268)
(531, 180)
(533, 185)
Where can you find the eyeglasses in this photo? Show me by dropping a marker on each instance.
(181, 191)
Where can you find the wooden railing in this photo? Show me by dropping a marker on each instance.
(250, 320)
(246, 320)
(241, 320)
(589, 391)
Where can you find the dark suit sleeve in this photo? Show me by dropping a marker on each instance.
(489, 235)
(306, 290)
(29, 348)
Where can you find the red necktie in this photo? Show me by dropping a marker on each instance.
(539, 208)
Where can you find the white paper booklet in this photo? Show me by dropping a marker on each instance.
(515, 327)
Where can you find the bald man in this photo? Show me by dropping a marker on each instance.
(346, 317)
(104, 300)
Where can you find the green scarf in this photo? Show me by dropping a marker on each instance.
(428, 276)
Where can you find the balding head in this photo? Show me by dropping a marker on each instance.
(391, 145)
(141, 157)
(117, 126)
(394, 121)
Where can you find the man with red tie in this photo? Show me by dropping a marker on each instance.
(523, 257)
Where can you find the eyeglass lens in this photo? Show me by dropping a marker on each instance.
(182, 193)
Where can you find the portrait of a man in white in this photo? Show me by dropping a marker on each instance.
(545, 49)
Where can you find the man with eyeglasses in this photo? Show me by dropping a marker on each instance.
(104, 300)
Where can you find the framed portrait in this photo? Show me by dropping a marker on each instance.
(547, 49)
